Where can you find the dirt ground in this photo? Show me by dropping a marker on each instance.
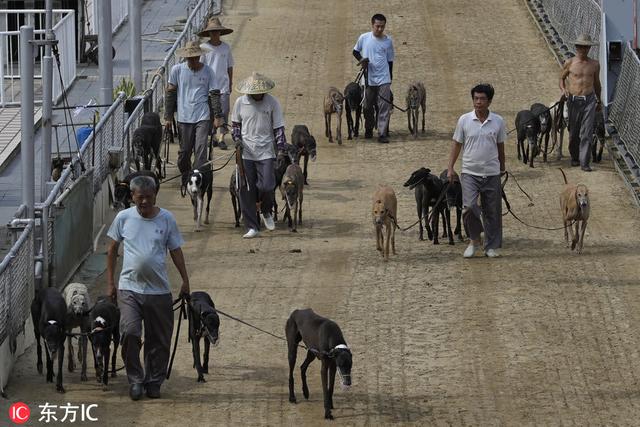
(540, 336)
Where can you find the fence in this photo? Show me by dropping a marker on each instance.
(119, 13)
(64, 27)
(571, 18)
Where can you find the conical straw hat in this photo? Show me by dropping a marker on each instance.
(191, 50)
(214, 25)
(255, 84)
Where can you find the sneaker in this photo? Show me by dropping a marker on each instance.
(135, 391)
(587, 168)
(153, 391)
(383, 139)
(368, 134)
(470, 252)
(222, 145)
(251, 234)
(575, 163)
(491, 253)
(268, 221)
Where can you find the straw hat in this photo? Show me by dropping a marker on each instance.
(192, 49)
(255, 84)
(214, 25)
(585, 40)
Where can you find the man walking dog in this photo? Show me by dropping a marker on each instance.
(580, 84)
(189, 92)
(144, 295)
(218, 56)
(374, 52)
(257, 128)
(480, 135)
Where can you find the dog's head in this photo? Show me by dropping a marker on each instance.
(311, 147)
(211, 325)
(78, 304)
(379, 211)
(121, 195)
(337, 99)
(582, 196)
(417, 177)
(342, 355)
(138, 142)
(290, 189)
(413, 97)
(194, 183)
(53, 334)
(57, 165)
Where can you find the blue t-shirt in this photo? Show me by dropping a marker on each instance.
(193, 91)
(379, 51)
(146, 241)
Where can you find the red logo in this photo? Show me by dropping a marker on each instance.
(19, 413)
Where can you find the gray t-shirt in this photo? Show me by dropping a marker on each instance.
(480, 143)
(193, 91)
(380, 52)
(146, 241)
(258, 119)
(220, 59)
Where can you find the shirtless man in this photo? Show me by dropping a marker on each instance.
(580, 84)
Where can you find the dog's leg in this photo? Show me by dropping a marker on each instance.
(575, 236)
(306, 164)
(324, 374)
(566, 231)
(195, 341)
(295, 216)
(419, 209)
(378, 232)
(327, 129)
(447, 223)
(393, 240)
(303, 373)
(357, 126)
(435, 225)
(71, 365)
(339, 127)
(105, 364)
(83, 347)
(116, 342)
(205, 362)
(424, 109)
(209, 195)
(330, 136)
(583, 227)
(518, 143)
(387, 225)
(36, 332)
(200, 206)
(347, 111)
(59, 387)
(301, 198)
(293, 338)
(546, 146)
(332, 381)
(409, 120)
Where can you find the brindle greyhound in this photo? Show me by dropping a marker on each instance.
(333, 104)
(416, 99)
(324, 340)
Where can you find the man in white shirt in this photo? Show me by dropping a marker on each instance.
(480, 134)
(188, 92)
(218, 56)
(374, 51)
(257, 127)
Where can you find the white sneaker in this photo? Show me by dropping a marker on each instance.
(492, 253)
(268, 222)
(251, 234)
(470, 252)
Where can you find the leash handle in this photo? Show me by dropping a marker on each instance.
(183, 313)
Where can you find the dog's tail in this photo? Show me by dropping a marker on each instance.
(564, 176)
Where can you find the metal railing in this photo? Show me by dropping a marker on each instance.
(64, 28)
(119, 13)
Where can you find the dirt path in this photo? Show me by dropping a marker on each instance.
(539, 336)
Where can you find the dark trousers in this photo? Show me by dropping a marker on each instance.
(193, 136)
(582, 115)
(373, 96)
(490, 208)
(157, 314)
(261, 177)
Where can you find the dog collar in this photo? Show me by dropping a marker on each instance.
(101, 320)
(341, 347)
(52, 322)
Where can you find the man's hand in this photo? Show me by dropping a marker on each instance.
(167, 125)
(185, 292)
(112, 292)
(598, 106)
(452, 175)
(239, 144)
(364, 63)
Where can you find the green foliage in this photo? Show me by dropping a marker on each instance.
(126, 86)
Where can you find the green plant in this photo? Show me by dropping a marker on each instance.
(126, 86)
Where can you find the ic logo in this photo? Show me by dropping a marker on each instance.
(19, 413)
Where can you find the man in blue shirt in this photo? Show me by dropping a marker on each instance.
(374, 51)
(144, 294)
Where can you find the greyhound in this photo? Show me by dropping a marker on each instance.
(122, 190)
(78, 303)
(57, 165)
(302, 139)
(323, 340)
(234, 191)
(384, 211)
(204, 322)
(200, 185)
(105, 327)
(560, 123)
(598, 136)
(333, 104)
(353, 102)
(428, 189)
(527, 127)
(292, 189)
(575, 206)
(544, 116)
(416, 98)
(454, 199)
(283, 160)
(146, 142)
(49, 314)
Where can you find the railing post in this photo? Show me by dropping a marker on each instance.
(47, 101)
(135, 36)
(26, 119)
(105, 62)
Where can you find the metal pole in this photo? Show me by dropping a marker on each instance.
(105, 60)
(47, 103)
(135, 24)
(26, 119)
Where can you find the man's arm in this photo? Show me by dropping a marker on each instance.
(357, 55)
(178, 260)
(391, 70)
(501, 157)
(171, 104)
(597, 86)
(456, 147)
(230, 72)
(112, 256)
(563, 75)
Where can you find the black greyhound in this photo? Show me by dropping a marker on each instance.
(105, 327)
(48, 313)
(353, 102)
(544, 116)
(428, 189)
(323, 339)
(122, 191)
(234, 191)
(306, 146)
(454, 199)
(527, 128)
(146, 142)
(283, 160)
(598, 136)
(204, 322)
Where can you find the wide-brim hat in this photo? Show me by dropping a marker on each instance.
(585, 40)
(214, 25)
(255, 85)
(191, 49)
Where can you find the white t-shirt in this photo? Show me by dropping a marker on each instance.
(193, 92)
(219, 58)
(480, 143)
(258, 119)
(380, 52)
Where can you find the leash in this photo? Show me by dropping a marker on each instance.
(442, 195)
(392, 104)
(529, 121)
(204, 164)
(183, 313)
